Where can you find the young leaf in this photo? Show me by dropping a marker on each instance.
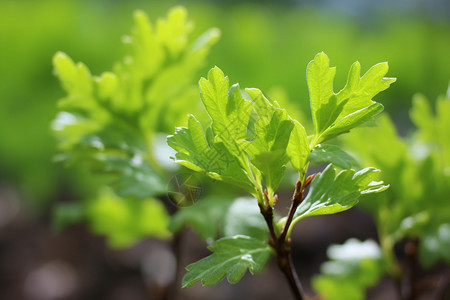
(272, 131)
(229, 111)
(110, 122)
(127, 220)
(136, 177)
(433, 129)
(320, 84)
(206, 156)
(330, 193)
(231, 257)
(416, 205)
(334, 114)
(331, 154)
(247, 141)
(298, 148)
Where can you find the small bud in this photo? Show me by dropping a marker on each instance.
(309, 179)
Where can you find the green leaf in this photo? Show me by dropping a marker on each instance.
(109, 122)
(432, 128)
(244, 217)
(330, 193)
(211, 158)
(360, 91)
(247, 141)
(231, 257)
(353, 120)
(173, 31)
(229, 111)
(126, 220)
(135, 176)
(115, 151)
(205, 216)
(298, 147)
(273, 129)
(337, 113)
(321, 96)
(353, 267)
(322, 154)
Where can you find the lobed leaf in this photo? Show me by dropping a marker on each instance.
(337, 113)
(247, 141)
(207, 156)
(109, 122)
(231, 257)
(320, 84)
(228, 110)
(417, 169)
(272, 131)
(330, 193)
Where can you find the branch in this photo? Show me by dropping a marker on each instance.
(267, 212)
(282, 245)
(297, 199)
(286, 265)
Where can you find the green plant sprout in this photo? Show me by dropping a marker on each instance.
(415, 209)
(248, 142)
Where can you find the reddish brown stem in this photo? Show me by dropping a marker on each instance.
(281, 244)
(286, 265)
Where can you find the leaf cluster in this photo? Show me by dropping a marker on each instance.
(110, 122)
(416, 205)
(250, 140)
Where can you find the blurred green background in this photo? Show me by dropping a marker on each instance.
(264, 44)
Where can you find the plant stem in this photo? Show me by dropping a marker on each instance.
(283, 251)
(282, 244)
(297, 198)
(267, 213)
(286, 265)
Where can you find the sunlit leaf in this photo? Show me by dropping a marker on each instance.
(322, 154)
(231, 257)
(336, 113)
(209, 157)
(330, 193)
